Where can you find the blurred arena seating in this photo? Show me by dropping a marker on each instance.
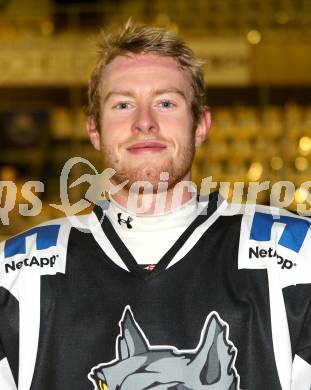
(196, 16)
(277, 138)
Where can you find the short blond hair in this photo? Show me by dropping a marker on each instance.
(141, 39)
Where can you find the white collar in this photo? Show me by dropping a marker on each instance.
(128, 221)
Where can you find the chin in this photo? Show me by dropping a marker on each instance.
(149, 171)
(147, 180)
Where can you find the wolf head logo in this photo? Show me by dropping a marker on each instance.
(139, 366)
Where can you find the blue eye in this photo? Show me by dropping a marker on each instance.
(167, 104)
(122, 106)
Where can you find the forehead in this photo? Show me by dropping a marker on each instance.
(132, 68)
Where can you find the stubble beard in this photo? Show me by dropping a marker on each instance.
(177, 169)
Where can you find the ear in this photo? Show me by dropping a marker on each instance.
(207, 361)
(93, 132)
(203, 127)
(214, 356)
(131, 342)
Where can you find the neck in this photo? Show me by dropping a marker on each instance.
(156, 203)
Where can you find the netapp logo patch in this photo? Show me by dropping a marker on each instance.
(258, 253)
(293, 235)
(46, 237)
(31, 262)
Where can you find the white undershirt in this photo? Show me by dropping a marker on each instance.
(149, 237)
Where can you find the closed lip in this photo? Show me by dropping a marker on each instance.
(147, 145)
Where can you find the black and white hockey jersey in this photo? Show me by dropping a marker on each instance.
(226, 308)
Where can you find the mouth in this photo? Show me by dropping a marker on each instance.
(146, 147)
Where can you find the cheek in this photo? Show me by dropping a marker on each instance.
(179, 129)
(111, 119)
(113, 132)
(179, 120)
(175, 127)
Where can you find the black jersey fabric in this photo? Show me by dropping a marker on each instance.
(226, 308)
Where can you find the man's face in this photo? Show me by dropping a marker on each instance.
(146, 120)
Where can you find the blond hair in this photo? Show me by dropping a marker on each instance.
(141, 39)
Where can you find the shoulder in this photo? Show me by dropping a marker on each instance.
(39, 237)
(271, 236)
(265, 224)
(40, 250)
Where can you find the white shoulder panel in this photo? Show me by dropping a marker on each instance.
(276, 237)
(40, 250)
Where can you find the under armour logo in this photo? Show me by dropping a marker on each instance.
(126, 221)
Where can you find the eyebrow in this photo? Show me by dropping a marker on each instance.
(156, 92)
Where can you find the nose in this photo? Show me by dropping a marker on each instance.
(145, 121)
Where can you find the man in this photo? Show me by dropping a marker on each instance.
(182, 295)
